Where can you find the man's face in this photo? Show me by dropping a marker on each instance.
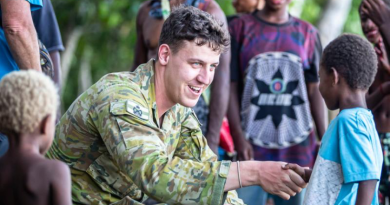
(189, 72)
(369, 28)
(277, 4)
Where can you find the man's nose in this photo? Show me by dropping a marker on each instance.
(205, 75)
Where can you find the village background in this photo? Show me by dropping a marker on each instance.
(99, 36)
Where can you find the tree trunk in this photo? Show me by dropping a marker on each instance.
(85, 79)
(297, 8)
(333, 19)
(67, 56)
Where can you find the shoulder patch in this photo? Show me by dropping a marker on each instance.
(137, 110)
(124, 107)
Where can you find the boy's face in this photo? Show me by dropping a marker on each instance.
(189, 72)
(277, 4)
(327, 89)
(369, 28)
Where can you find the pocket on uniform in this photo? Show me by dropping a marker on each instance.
(109, 178)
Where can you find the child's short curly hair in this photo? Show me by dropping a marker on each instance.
(354, 59)
(26, 98)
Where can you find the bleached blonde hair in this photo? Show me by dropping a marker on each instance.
(26, 98)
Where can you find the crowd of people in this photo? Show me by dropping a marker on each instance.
(152, 135)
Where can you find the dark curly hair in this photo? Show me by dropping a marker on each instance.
(191, 24)
(354, 59)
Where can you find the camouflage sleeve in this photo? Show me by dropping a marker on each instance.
(140, 153)
(193, 140)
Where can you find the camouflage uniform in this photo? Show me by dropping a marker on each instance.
(119, 153)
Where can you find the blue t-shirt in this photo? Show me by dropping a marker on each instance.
(350, 152)
(7, 63)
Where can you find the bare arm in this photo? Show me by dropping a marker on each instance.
(20, 33)
(317, 107)
(243, 147)
(219, 89)
(269, 175)
(61, 184)
(141, 51)
(374, 99)
(366, 192)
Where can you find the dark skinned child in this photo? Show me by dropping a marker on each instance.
(28, 102)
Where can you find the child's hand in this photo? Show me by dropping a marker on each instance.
(305, 173)
(383, 61)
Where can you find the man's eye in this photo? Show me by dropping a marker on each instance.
(213, 67)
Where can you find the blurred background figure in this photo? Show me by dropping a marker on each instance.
(18, 42)
(247, 6)
(48, 32)
(374, 16)
(274, 91)
(46, 25)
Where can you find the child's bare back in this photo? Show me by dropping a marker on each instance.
(31, 179)
(28, 104)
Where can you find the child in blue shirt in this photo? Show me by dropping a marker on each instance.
(349, 162)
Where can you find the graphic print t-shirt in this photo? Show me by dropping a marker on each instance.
(271, 64)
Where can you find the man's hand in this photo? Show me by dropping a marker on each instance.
(244, 150)
(277, 180)
(271, 176)
(376, 10)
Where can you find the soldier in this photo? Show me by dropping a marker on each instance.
(131, 136)
(213, 103)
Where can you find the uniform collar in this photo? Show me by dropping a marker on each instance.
(146, 74)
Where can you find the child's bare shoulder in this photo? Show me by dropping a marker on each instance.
(53, 169)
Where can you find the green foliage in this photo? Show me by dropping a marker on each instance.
(311, 12)
(108, 28)
(353, 21)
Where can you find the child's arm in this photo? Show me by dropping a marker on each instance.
(374, 99)
(61, 184)
(366, 192)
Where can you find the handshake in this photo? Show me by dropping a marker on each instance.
(278, 178)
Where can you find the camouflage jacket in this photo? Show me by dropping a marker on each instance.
(119, 153)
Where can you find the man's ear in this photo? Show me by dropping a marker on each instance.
(335, 76)
(163, 54)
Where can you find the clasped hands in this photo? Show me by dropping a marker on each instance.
(284, 179)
